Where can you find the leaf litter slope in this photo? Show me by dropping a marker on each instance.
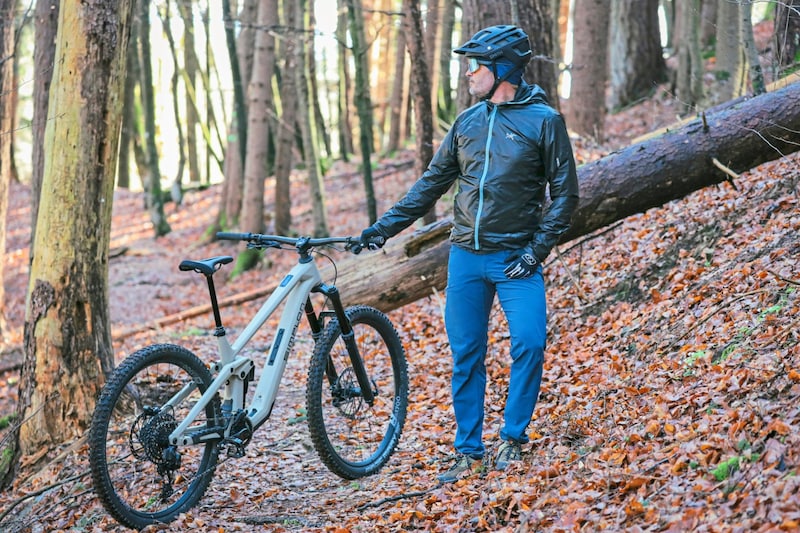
(669, 402)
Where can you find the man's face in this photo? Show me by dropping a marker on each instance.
(480, 77)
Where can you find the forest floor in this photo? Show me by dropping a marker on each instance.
(670, 399)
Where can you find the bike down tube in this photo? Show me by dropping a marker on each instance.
(348, 336)
(294, 287)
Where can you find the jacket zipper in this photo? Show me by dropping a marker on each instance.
(483, 176)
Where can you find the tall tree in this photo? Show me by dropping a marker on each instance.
(190, 66)
(423, 114)
(363, 101)
(749, 46)
(344, 85)
(308, 120)
(787, 32)
(287, 121)
(67, 332)
(590, 68)
(433, 34)
(259, 105)
(446, 107)
(636, 58)
(689, 84)
(240, 56)
(729, 66)
(7, 103)
(536, 18)
(397, 100)
(45, 26)
(154, 200)
(130, 108)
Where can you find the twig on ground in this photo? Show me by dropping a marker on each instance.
(396, 497)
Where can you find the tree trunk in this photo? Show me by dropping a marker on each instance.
(590, 68)
(397, 101)
(363, 102)
(728, 68)
(648, 174)
(190, 66)
(154, 201)
(749, 45)
(636, 60)
(343, 100)
(423, 115)
(536, 18)
(286, 124)
(430, 41)
(308, 123)
(67, 331)
(176, 190)
(130, 115)
(259, 94)
(45, 27)
(7, 104)
(446, 107)
(689, 85)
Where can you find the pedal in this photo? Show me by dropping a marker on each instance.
(235, 448)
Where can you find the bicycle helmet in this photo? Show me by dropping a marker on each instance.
(505, 49)
(498, 42)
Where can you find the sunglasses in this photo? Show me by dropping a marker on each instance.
(473, 64)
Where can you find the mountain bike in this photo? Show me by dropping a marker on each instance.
(164, 416)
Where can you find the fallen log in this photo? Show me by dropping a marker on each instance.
(705, 151)
(740, 136)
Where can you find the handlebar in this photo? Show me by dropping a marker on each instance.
(303, 244)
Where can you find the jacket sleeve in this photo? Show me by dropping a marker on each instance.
(559, 164)
(442, 171)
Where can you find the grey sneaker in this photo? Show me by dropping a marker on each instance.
(508, 452)
(464, 466)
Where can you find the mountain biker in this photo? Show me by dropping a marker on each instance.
(502, 153)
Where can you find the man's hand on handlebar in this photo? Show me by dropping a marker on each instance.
(370, 239)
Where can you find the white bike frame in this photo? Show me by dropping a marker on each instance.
(233, 369)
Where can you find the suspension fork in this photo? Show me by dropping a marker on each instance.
(348, 336)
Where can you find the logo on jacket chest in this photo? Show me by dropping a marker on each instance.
(512, 136)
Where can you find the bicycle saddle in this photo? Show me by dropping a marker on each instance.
(206, 266)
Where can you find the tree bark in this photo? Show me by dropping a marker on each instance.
(46, 24)
(636, 60)
(7, 104)
(67, 334)
(154, 201)
(308, 121)
(587, 101)
(421, 83)
(286, 124)
(787, 32)
(363, 101)
(741, 135)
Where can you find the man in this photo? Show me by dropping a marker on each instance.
(502, 153)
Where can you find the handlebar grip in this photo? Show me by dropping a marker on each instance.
(230, 236)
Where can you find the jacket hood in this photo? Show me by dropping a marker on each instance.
(529, 94)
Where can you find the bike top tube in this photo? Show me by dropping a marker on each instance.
(302, 244)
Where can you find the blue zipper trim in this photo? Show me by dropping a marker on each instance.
(483, 177)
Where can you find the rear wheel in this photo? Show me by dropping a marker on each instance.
(138, 476)
(355, 439)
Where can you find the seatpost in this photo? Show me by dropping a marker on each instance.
(219, 331)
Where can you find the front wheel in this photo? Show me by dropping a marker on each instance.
(138, 476)
(355, 439)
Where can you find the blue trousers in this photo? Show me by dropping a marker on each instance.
(473, 281)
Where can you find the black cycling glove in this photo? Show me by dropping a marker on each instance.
(521, 264)
(371, 239)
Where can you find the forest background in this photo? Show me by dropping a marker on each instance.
(671, 394)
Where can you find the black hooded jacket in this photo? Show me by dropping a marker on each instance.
(502, 158)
